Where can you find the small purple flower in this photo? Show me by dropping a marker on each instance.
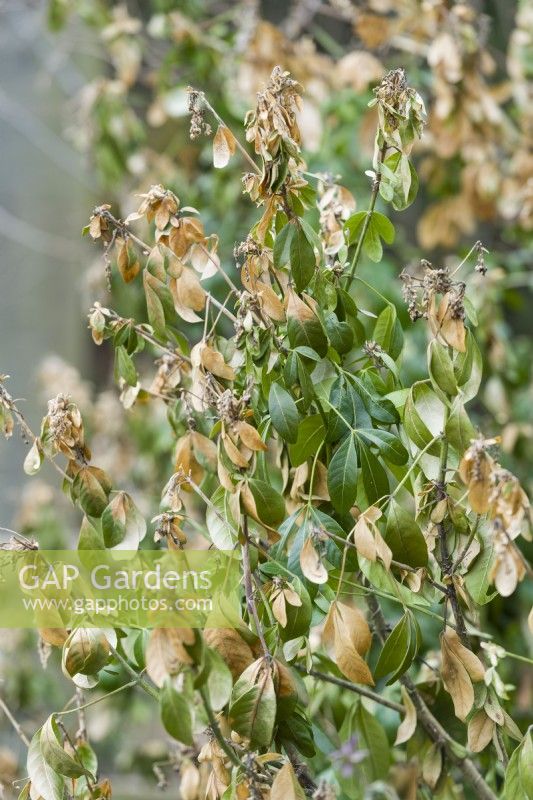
(348, 756)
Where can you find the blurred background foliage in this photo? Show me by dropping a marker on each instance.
(117, 96)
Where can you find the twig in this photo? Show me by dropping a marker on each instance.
(248, 587)
(220, 121)
(430, 724)
(351, 687)
(138, 679)
(26, 430)
(445, 560)
(229, 751)
(126, 232)
(14, 723)
(366, 224)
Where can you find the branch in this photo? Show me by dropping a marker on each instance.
(430, 724)
(373, 198)
(14, 723)
(351, 687)
(445, 560)
(249, 589)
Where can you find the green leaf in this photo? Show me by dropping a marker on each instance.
(441, 370)
(374, 739)
(468, 369)
(175, 712)
(518, 775)
(399, 649)
(220, 522)
(353, 226)
(404, 537)
(302, 258)
(154, 306)
(219, 680)
(283, 413)
(311, 433)
(459, 430)
(423, 414)
(282, 245)
(375, 480)
(380, 408)
(54, 754)
(124, 366)
(343, 473)
(394, 650)
(252, 711)
(269, 503)
(46, 782)
(389, 445)
(383, 226)
(372, 246)
(340, 334)
(92, 495)
(307, 334)
(388, 332)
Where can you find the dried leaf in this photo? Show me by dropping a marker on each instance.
(311, 564)
(480, 730)
(286, 786)
(231, 647)
(165, 652)
(213, 362)
(408, 724)
(223, 146)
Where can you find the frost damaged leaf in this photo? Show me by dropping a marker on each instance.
(223, 146)
(286, 786)
(311, 563)
(480, 730)
(459, 668)
(408, 725)
(252, 711)
(166, 653)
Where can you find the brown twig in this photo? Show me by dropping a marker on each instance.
(351, 687)
(430, 724)
(249, 589)
(22, 736)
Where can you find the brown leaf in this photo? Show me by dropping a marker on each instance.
(234, 454)
(272, 305)
(351, 664)
(471, 662)
(213, 362)
(250, 437)
(223, 146)
(480, 730)
(165, 652)
(456, 681)
(231, 647)
(187, 291)
(310, 563)
(408, 724)
(286, 786)
(350, 623)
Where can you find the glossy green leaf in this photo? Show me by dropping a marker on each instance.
(441, 372)
(283, 413)
(302, 259)
(55, 755)
(311, 433)
(175, 711)
(269, 503)
(404, 537)
(46, 782)
(343, 474)
(374, 476)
